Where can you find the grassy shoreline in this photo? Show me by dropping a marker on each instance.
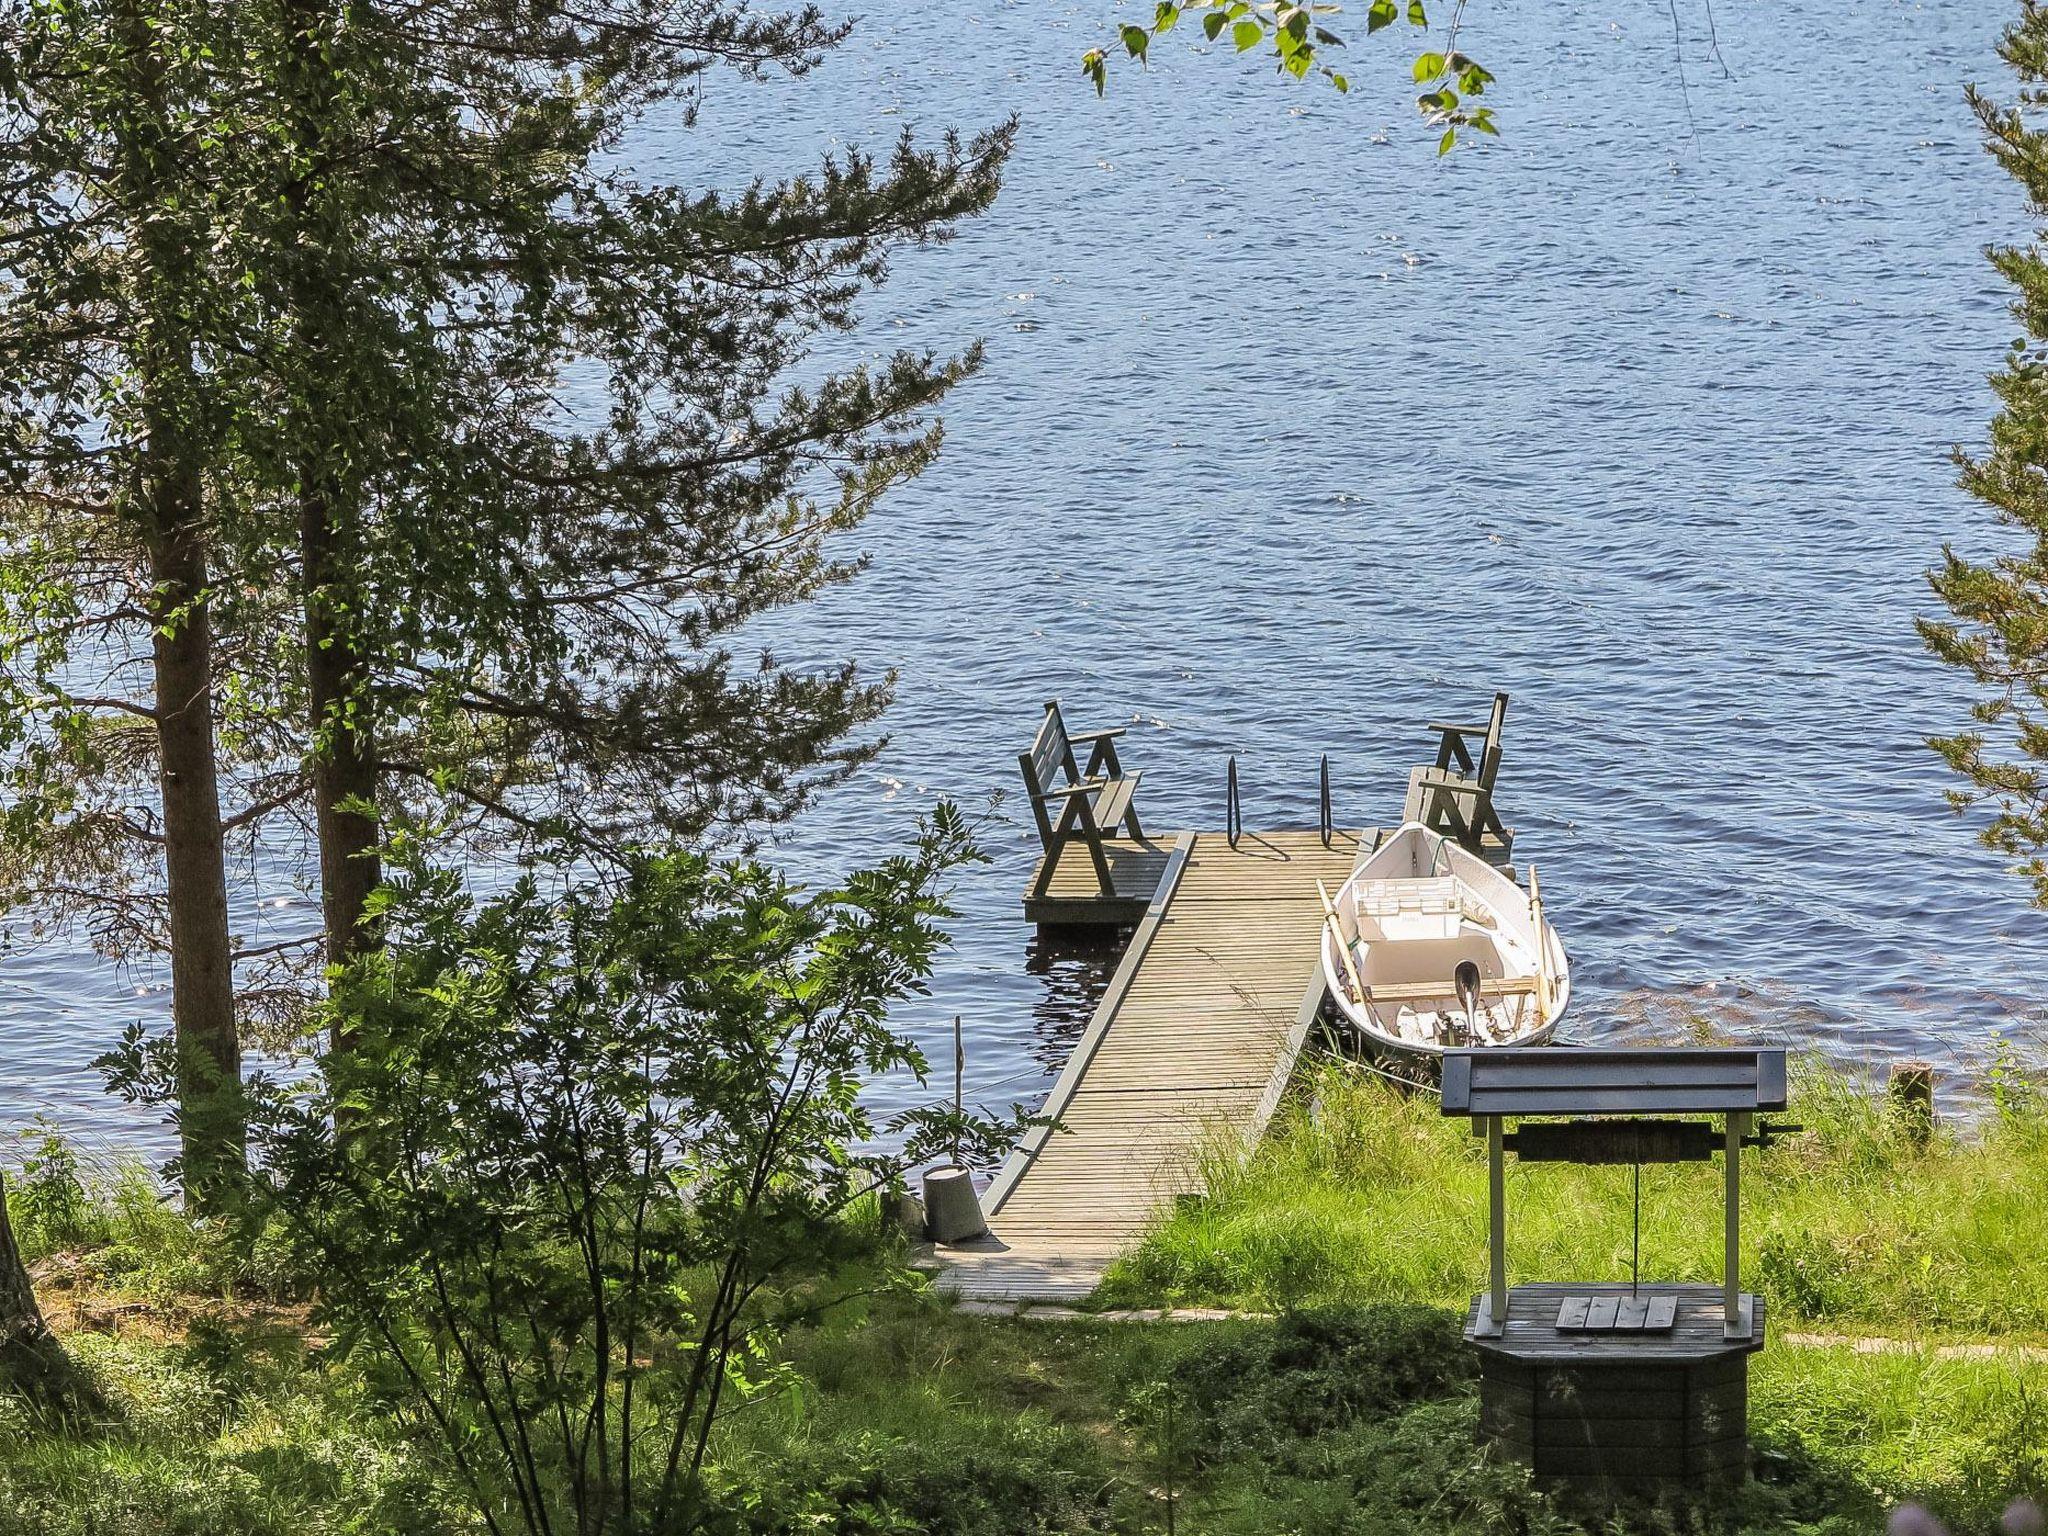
(1352, 1412)
(1364, 1192)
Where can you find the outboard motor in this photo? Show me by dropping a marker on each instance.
(1465, 982)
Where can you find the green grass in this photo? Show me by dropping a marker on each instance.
(1963, 1436)
(226, 1423)
(1363, 1192)
(1326, 1423)
(110, 1225)
(223, 1432)
(902, 1416)
(1353, 1414)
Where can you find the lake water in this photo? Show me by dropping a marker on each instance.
(1292, 437)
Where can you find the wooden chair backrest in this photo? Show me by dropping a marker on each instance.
(1050, 762)
(1453, 752)
(1051, 758)
(1489, 756)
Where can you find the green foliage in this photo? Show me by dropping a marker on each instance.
(378, 251)
(116, 421)
(891, 1414)
(2015, 1093)
(1296, 37)
(536, 608)
(1960, 1436)
(47, 1198)
(116, 1228)
(1364, 1193)
(1342, 1422)
(1320, 1371)
(1998, 635)
(593, 1144)
(1033, 1480)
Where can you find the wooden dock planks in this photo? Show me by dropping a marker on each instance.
(1188, 1052)
(1074, 896)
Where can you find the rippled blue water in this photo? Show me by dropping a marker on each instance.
(1292, 437)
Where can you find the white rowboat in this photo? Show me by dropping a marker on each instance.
(1419, 916)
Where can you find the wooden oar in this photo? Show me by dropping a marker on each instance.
(1344, 949)
(1542, 950)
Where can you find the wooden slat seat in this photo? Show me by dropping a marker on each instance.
(1071, 801)
(1113, 804)
(1454, 794)
(1423, 991)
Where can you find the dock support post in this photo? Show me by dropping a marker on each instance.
(1910, 1098)
(1734, 1324)
(1325, 823)
(1497, 1224)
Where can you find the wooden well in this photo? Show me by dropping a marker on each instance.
(1630, 1408)
(1596, 1382)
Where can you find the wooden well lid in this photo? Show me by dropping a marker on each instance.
(1617, 1080)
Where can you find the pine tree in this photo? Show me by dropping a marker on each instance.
(385, 574)
(514, 618)
(112, 428)
(1999, 632)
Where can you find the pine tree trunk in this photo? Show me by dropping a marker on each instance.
(169, 516)
(32, 1362)
(345, 762)
(345, 767)
(209, 1055)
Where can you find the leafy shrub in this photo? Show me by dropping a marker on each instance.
(1319, 1372)
(587, 1149)
(47, 1197)
(1034, 1481)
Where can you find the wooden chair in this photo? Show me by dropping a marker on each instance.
(1071, 801)
(1454, 794)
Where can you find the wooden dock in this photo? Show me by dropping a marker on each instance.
(1186, 1056)
(1074, 898)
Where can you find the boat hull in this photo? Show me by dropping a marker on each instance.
(1414, 912)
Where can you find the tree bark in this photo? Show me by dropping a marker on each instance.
(167, 508)
(345, 765)
(345, 760)
(32, 1362)
(209, 1053)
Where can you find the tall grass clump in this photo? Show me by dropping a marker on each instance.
(1363, 1191)
(109, 1222)
(1962, 1435)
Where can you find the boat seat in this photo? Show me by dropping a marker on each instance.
(1425, 991)
(1409, 909)
(1390, 898)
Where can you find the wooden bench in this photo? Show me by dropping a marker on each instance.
(1071, 800)
(1454, 794)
